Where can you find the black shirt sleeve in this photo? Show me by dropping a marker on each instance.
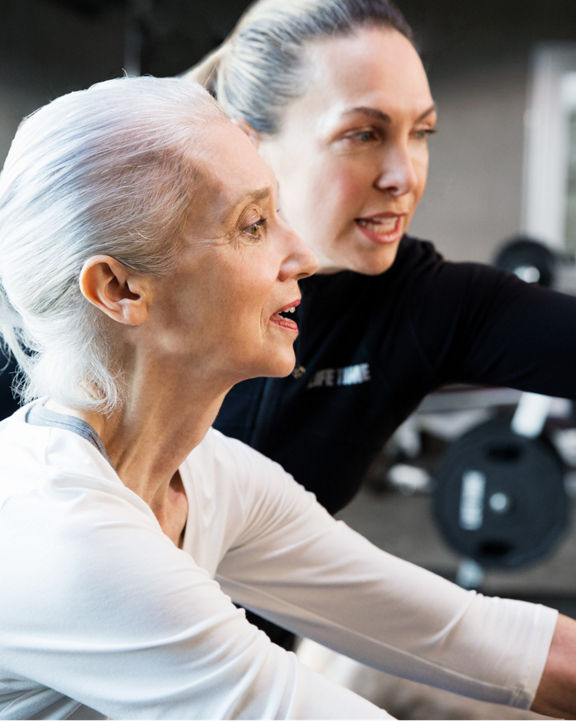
(477, 324)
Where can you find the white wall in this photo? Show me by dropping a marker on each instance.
(480, 57)
(474, 196)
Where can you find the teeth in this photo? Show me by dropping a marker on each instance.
(382, 225)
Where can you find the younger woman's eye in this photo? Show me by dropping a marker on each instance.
(364, 136)
(255, 230)
(424, 133)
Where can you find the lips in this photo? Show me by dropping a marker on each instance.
(282, 316)
(383, 228)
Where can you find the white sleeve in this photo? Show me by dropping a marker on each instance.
(297, 566)
(107, 611)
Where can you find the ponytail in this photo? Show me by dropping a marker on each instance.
(206, 72)
(11, 340)
(262, 66)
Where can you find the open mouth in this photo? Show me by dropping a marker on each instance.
(288, 312)
(380, 225)
(285, 317)
(381, 229)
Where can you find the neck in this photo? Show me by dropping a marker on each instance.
(151, 435)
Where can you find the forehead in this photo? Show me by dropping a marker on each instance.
(224, 151)
(229, 172)
(374, 67)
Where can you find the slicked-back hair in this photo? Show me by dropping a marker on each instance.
(261, 67)
(108, 170)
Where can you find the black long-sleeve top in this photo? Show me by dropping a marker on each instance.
(371, 347)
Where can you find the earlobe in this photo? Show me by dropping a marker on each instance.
(246, 128)
(114, 289)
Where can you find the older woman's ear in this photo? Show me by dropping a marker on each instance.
(116, 290)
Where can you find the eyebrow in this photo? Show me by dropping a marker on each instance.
(384, 117)
(253, 196)
(258, 194)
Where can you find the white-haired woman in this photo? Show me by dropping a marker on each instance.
(336, 98)
(144, 270)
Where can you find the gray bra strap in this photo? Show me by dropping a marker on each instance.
(39, 415)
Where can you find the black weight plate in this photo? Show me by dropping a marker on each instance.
(527, 253)
(500, 498)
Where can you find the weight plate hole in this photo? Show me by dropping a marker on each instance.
(505, 453)
(494, 549)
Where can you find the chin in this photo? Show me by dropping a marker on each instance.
(278, 367)
(371, 260)
(281, 371)
(373, 264)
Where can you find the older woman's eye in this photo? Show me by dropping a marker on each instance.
(255, 230)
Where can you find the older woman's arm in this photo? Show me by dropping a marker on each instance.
(100, 611)
(556, 694)
(106, 614)
(300, 568)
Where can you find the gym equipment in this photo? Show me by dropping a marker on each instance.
(529, 260)
(499, 496)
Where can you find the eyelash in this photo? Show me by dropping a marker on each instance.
(366, 136)
(254, 230)
(425, 133)
(361, 136)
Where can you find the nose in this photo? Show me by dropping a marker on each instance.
(396, 173)
(299, 261)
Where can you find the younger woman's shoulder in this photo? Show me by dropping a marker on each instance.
(417, 253)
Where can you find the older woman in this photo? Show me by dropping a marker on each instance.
(336, 98)
(144, 270)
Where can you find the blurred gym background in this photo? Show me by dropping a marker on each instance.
(497, 70)
(479, 484)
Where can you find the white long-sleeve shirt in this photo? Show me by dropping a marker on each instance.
(102, 615)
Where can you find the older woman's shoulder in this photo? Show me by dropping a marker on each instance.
(239, 470)
(222, 455)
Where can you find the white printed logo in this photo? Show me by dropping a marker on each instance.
(349, 376)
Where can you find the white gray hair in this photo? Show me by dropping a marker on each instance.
(97, 171)
(261, 66)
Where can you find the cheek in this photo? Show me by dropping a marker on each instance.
(422, 175)
(341, 186)
(341, 198)
(249, 287)
(348, 188)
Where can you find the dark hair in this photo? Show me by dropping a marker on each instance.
(260, 67)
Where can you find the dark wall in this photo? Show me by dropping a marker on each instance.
(181, 32)
(50, 46)
(85, 38)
